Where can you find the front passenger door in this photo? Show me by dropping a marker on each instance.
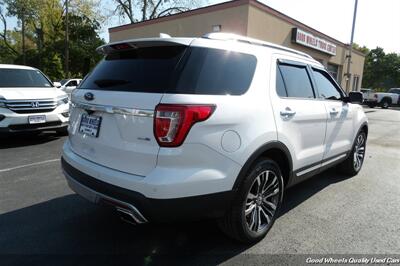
(340, 129)
(300, 118)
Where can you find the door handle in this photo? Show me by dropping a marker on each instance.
(333, 111)
(287, 113)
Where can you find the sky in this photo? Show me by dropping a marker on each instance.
(377, 24)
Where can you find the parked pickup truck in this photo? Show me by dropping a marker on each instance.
(383, 99)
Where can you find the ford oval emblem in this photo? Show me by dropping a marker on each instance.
(89, 96)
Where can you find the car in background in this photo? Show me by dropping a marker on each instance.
(366, 93)
(68, 85)
(384, 99)
(30, 102)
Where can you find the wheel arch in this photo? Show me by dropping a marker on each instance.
(276, 151)
(386, 99)
(363, 127)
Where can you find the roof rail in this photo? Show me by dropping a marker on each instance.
(234, 37)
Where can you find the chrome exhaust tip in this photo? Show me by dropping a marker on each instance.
(127, 212)
(127, 216)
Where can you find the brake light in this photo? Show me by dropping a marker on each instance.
(121, 46)
(172, 122)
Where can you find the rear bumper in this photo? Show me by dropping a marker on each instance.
(147, 209)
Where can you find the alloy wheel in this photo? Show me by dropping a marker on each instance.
(262, 201)
(359, 152)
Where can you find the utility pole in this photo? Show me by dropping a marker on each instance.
(66, 41)
(348, 74)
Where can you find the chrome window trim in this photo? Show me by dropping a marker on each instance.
(114, 109)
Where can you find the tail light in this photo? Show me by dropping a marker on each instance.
(172, 122)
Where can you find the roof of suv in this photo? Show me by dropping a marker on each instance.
(16, 67)
(110, 47)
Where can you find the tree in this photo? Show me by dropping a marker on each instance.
(5, 43)
(44, 35)
(136, 11)
(364, 49)
(381, 70)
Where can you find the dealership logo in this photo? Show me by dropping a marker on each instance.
(311, 41)
(35, 104)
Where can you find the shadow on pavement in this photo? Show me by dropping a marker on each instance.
(67, 230)
(297, 194)
(26, 139)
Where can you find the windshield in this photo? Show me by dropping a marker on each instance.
(174, 69)
(21, 78)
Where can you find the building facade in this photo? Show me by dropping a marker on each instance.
(253, 19)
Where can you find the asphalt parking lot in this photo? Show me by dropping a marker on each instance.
(328, 214)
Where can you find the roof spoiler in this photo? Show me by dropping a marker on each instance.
(163, 40)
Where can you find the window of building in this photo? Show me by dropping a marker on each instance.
(334, 71)
(356, 80)
(327, 89)
(296, 81)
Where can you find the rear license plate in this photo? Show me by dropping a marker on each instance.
(90, 125)
(37, 119)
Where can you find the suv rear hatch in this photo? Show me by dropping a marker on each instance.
(112, 122)
(115, 128)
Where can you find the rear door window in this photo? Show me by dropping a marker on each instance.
(174, 69)
(297, 81)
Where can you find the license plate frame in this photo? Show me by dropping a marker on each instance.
(90, 125)
(36, 119)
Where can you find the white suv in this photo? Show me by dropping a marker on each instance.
(30, 102)
(218, 126)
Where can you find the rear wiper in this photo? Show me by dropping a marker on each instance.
(110, 82)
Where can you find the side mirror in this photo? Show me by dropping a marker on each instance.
(57, 84)
(354, 97)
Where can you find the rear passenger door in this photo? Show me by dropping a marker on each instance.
(300, 118)
(340, 130)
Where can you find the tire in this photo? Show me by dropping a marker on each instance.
(353, 164)
(62, 131)
(385, 104)
(262, 207)
(371, 105)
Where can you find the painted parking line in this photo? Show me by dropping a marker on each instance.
(28, 165)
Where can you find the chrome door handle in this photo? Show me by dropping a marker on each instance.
(333, 111)
(287, 113)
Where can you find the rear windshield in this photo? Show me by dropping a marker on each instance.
(21, 78)
(174, 69)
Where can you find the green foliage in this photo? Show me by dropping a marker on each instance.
(45, 35)
(381, 70)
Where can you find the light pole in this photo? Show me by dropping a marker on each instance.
(348, 74)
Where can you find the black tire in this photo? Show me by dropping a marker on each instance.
(385, 104)
(62, 131)
(239, 226)
(371, 105)
(350, 167)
